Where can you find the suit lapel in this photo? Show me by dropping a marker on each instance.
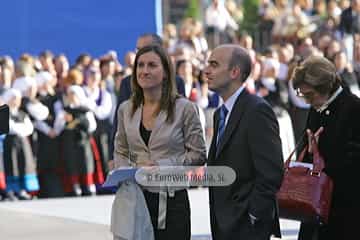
(234, 119)
(136, 121)
(212, 150)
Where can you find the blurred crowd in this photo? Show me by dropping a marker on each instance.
(62, 115)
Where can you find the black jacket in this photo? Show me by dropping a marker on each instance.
(251, 146)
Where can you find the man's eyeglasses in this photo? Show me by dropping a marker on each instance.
(306, 95)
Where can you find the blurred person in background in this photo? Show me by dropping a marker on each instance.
(284, 60)
(334, 10)
(76, 122)
(74, 77)
(323, 43)
(118, 77)
(48, 147)
(27, 86)
(289, 23)
(4, 195)
(107, 70)
(199, 40)
(194, 91)
(170, 37)
(349, 26)
(333, 47)
(346, 73)
(112, 55)
(82, 61)
(6, 76)
(129, 63)
(100, 103)
(218, 22)
(184, 69)
(246, 41)
(275, 92)
(327, 27)
(255, 72)
(267, 13)
(186, 39)
(344, 4)
(62, 66)
(356, 64)
(47, 62)
(9, 62)
(19, 162)
(94, 64)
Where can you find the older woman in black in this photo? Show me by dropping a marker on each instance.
(334, 118)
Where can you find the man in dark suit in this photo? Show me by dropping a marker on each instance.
(246, 138)
(125, 87)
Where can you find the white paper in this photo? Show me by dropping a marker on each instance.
(301, 164)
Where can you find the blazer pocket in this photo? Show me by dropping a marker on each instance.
(238, 198)
(243, 194)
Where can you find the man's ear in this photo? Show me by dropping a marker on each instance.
(235, 72)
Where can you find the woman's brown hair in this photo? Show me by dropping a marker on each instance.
(169, 91)
(319, 73)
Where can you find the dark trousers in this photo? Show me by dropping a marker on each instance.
(342, 225)
(177, 216)
(244, 230)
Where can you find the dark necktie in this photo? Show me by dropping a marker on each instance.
(221, 127)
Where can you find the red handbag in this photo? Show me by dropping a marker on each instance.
(305, 194)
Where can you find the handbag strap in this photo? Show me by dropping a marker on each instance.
(288, 160)
(318, 161)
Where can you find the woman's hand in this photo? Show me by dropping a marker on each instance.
(312, 136)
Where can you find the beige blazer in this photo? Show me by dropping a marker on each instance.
(180, 142)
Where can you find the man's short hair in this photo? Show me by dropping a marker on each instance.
(156, 39)
(241, 58)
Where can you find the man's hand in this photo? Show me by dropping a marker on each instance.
(253, 219)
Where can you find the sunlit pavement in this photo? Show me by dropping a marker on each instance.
(88, 218)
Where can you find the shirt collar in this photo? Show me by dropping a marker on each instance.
(330, 100)
(229, 103)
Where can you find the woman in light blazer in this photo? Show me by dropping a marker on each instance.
(157, 127)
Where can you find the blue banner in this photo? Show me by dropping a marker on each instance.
(76, 26)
